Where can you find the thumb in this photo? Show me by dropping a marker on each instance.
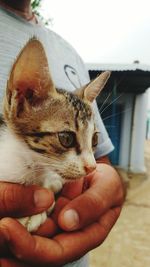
(19, 200)
(104, 192)
(81, 211)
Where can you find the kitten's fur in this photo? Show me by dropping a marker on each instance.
(41, 121)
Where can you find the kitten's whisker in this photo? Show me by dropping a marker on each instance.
(47, 164)
(126, 110)
(110, 126)
(112, 102)
(105, 101)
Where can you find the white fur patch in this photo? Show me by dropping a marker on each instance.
(14, 158)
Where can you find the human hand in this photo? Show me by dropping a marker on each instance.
(103, 196)
(19, 200)
(103, 192)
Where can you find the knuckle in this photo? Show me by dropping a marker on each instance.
(95, 201)
(90, 208)
(6, 198)
(9, 202)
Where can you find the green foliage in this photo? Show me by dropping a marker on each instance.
(36, 5)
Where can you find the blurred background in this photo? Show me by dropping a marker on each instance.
(115, 35)
(103, 31)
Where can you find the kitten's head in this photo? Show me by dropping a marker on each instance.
(55, 124)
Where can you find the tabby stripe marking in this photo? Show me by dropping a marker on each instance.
(39, 134)
(38, 150)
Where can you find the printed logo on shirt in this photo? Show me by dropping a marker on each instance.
(73, 76)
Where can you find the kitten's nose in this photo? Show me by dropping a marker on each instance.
(89, 169)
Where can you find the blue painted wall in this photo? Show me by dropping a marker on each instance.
(112, 116)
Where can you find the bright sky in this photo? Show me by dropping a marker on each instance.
(112, 31)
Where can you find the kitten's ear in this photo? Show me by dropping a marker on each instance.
(30, 80)
(93, 89)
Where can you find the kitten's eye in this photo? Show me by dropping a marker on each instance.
(95, 139)
(67, 139)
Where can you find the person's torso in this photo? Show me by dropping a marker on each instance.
(67, 69)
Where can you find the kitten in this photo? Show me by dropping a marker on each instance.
(49, 135)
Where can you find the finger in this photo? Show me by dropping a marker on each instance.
(4, 262)
(3, 245)
(28, 246)
(48, 229)
(18, 200)
(60, 204)
(72, 189)
(103, 193)
(64, 248)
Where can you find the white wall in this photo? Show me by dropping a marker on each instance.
(126, 128)
(138, 134)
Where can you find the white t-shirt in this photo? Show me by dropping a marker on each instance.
(67, 69)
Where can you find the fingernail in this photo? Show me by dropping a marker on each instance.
(42, 198)
(71, 219)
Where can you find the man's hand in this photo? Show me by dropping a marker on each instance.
(92, 214)
(104, 192)
(18, 200)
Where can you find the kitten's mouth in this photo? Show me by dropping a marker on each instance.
(68, 178)
(72, 179)
(67, 181)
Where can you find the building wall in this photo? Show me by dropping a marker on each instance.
(126, 125)
(126, 116)
(112, 110)
(126, 130)
(137, 163)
